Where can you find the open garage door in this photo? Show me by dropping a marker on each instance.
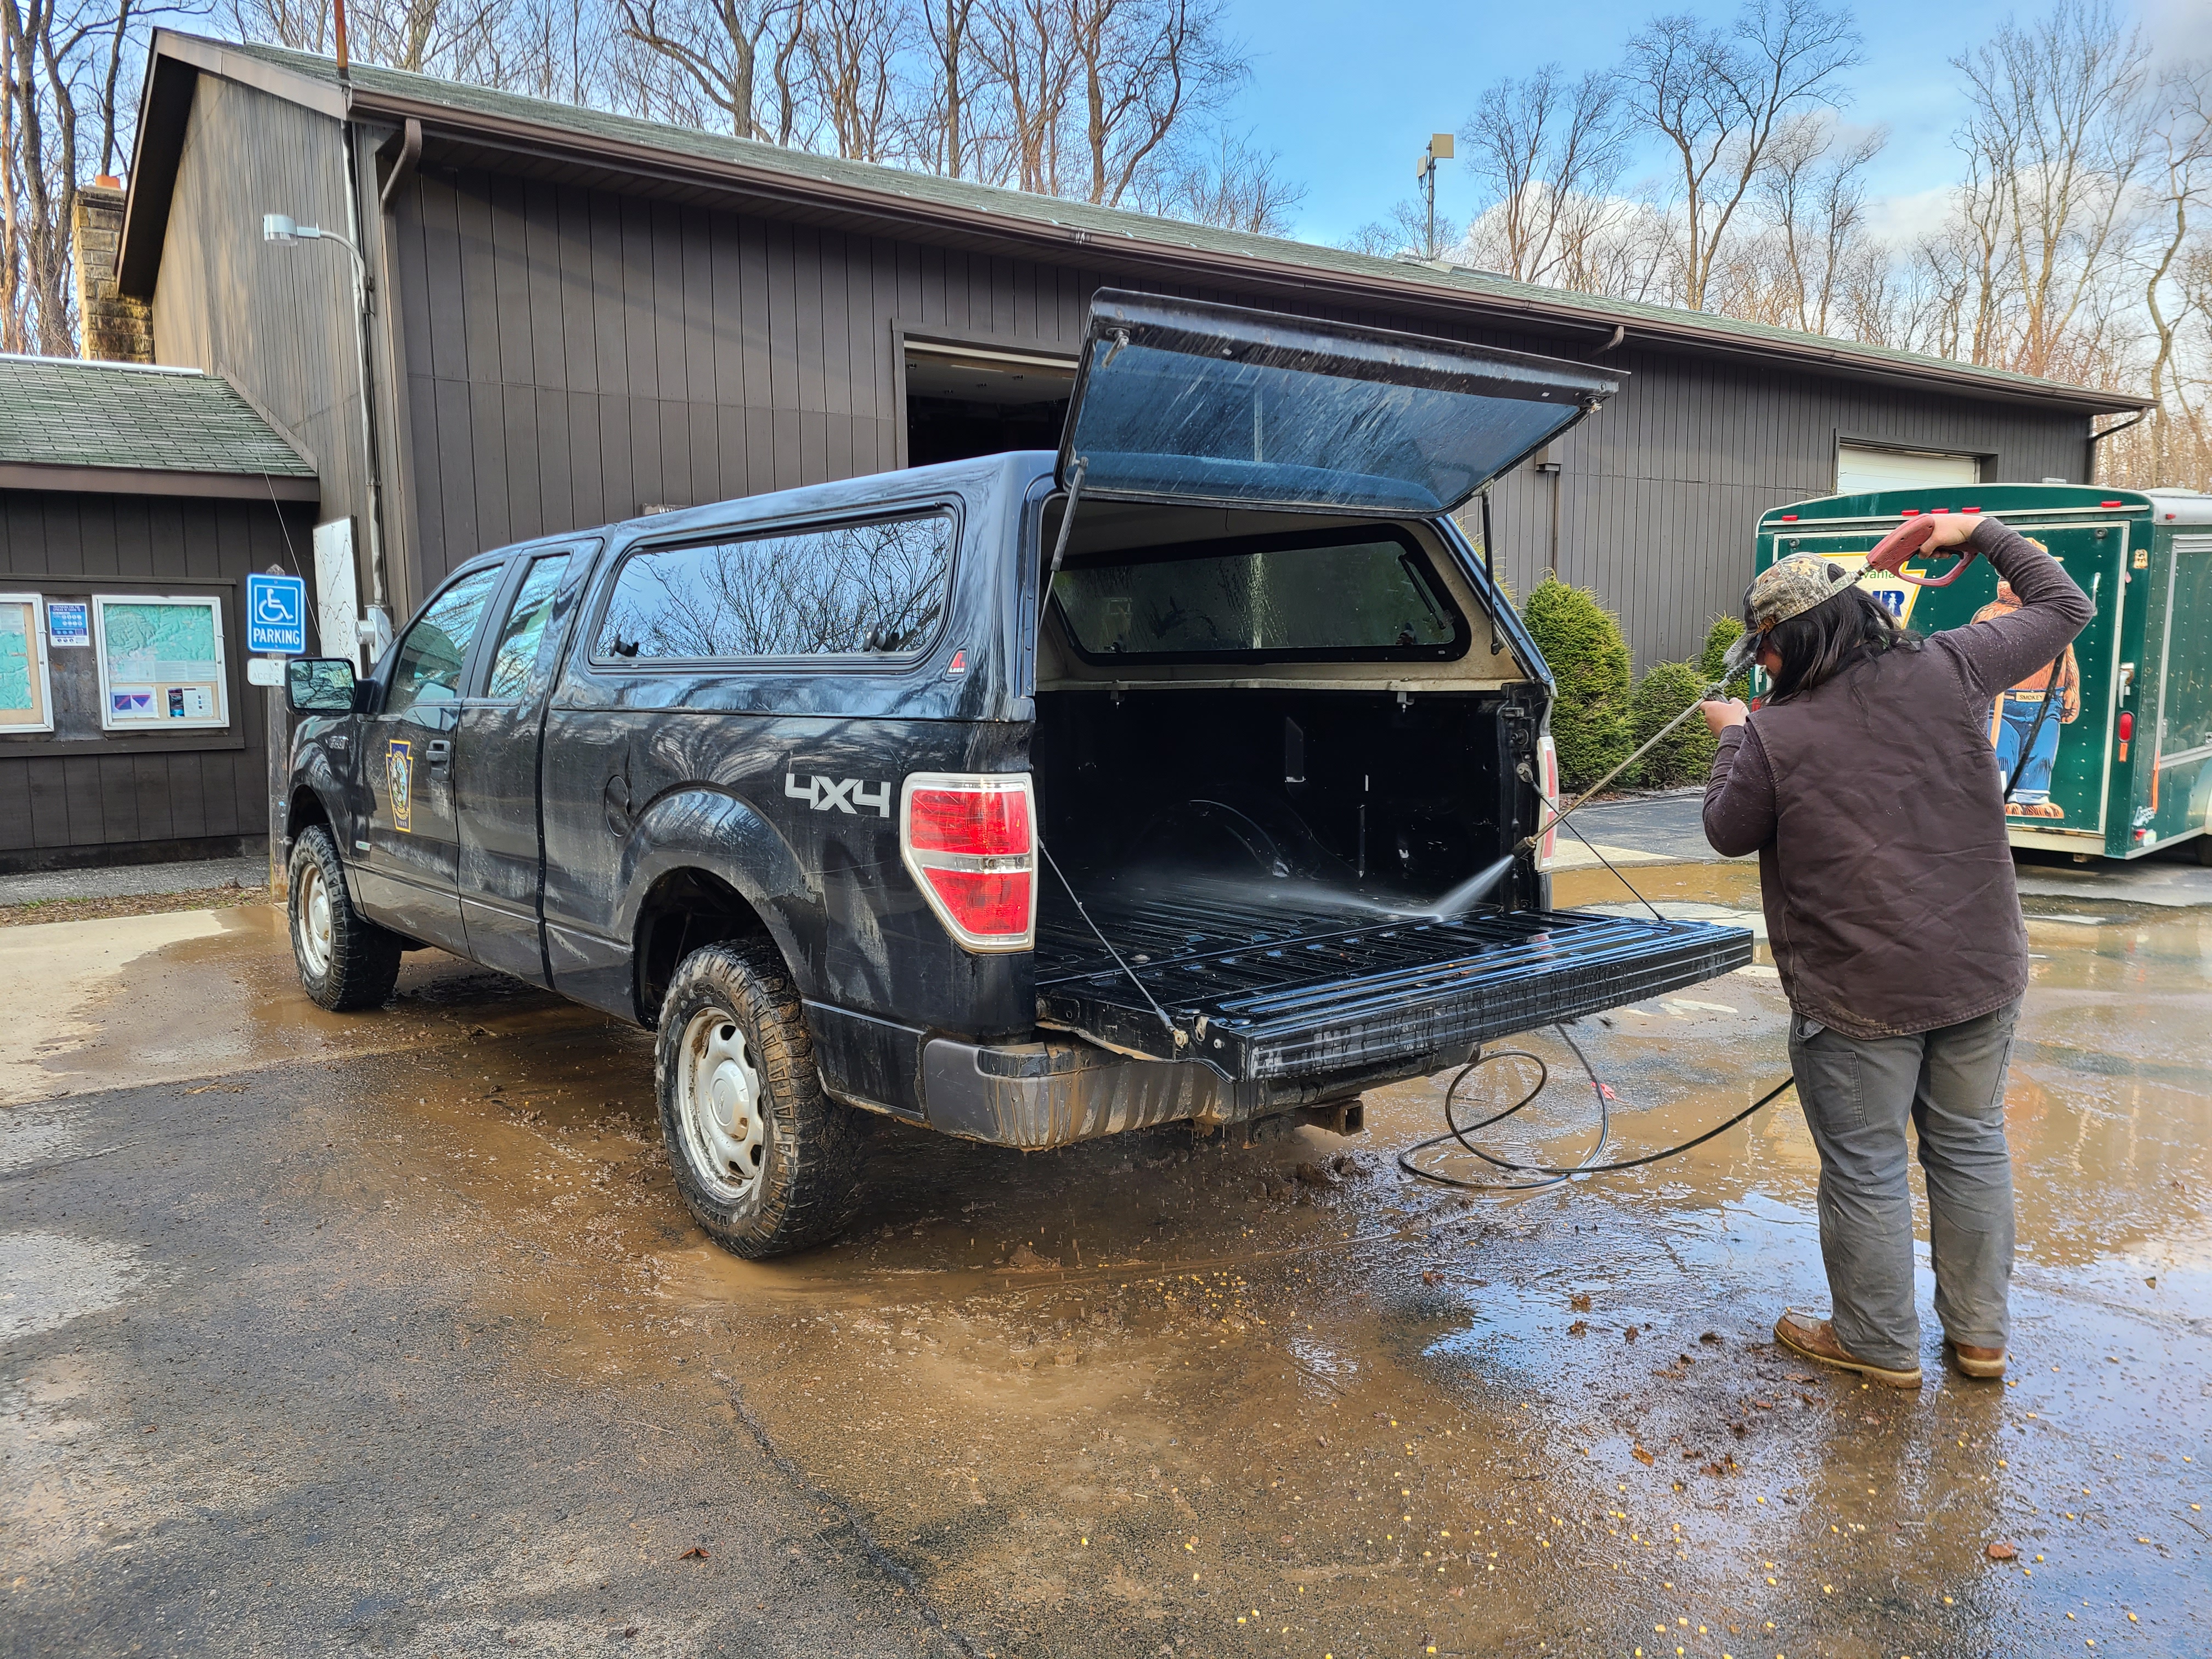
(963, 400)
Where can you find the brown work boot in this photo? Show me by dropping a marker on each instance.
(1987, 1363)
(1816, 1339)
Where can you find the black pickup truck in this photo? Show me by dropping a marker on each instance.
(1031, 798)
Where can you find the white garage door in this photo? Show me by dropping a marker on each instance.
(1859, 468)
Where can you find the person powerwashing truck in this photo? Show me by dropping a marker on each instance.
(1867, 784)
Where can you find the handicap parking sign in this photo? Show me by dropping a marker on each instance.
(277, 615)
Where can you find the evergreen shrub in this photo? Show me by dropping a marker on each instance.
(1582, 644)
(1726, 631)
(1686, 754)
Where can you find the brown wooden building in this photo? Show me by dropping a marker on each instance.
(574, 317)
(133, 503)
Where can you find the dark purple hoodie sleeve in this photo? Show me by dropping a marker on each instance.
(1740, 794)
(2005, 650)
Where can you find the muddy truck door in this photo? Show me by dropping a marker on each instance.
(495, 762)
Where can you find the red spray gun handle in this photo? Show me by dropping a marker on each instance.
(1891, 552)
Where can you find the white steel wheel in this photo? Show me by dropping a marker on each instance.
(311, 920)
(722, 1102)
(346, 961)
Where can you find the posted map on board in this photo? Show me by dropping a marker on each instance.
(26, 702)
(161, 663)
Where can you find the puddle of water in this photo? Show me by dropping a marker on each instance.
(1134, 1391)
(48, 1279)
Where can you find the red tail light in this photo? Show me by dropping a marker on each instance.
(968, 840)
(2127, 727)
(1547, 781)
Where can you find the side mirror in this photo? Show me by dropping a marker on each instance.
(319, 685)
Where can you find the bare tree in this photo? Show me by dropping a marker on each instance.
(1230, 183)
(41, 60)
(2183, 178)
(1717, 98)
(1402, 234)
(716, 49)
(852, 48)
(945, 116)
(1549, 156)
(1812, 193)
(453, 38)
(2056, 137)
(1146, 68)
(1023, 45)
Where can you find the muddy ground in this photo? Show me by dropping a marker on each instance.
(389, 1332)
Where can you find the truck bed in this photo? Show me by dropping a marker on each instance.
(1271, 982)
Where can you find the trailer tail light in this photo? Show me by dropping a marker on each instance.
(2127, 728)
(970, 842)
(1548, 779)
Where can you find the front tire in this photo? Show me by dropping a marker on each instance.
(346, 961)
(766, 1162)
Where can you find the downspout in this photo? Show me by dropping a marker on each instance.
(403, 169)
(2096, 438)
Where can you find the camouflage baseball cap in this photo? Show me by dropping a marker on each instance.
(1791, 587)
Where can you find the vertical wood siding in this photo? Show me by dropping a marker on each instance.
(71, 546)
(574, 356)
(569, 356)
(275, 318)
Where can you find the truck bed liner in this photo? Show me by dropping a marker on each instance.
(1269, 985)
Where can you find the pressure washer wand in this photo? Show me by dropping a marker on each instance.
(1738, 658)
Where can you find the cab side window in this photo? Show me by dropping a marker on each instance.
(523, 635)
(436, 648)
(831, 590)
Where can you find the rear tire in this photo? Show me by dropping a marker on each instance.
(2204, 848)
(766, 1162)
(346, 961)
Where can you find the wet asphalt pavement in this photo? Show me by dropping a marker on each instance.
(388, 1333)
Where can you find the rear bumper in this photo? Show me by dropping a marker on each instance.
(1063, 1089)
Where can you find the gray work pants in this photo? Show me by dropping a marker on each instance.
(1858, 1094)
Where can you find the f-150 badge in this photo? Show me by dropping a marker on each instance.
(846, 795)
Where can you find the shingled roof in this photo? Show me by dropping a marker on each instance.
(536, 134)
(57, 412)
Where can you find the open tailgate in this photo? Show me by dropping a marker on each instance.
(1266, 991)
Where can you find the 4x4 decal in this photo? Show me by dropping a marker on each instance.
(847, 795)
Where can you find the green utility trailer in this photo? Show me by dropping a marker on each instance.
(2122, 764)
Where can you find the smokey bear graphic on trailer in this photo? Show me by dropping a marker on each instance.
(2012, 722)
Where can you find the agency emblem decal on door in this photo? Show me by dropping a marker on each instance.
(846, 795)
(399, 774)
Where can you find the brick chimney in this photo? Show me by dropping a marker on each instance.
(117, 329)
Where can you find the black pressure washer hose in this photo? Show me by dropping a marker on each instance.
(1553, 1175)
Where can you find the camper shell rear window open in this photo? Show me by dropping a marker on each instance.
(1363, 595)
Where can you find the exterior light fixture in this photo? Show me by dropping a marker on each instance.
(283, 228)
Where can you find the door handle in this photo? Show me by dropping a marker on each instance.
(437, 750)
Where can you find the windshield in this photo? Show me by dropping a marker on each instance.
(1361, 596)
(1181, 400)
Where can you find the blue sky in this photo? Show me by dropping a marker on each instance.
(1349, 93)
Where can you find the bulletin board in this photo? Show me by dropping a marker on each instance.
(161, 662)
(27, 690)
